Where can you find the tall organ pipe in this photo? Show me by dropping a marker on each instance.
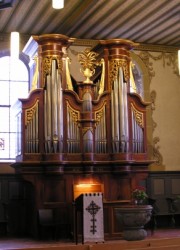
(59, 111)
(54, 98)
(116, 116)
(119, 115)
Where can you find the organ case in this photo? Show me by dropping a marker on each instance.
(73, 129)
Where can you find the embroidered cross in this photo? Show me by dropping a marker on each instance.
(93, 208)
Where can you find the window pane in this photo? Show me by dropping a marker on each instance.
(13, 123)
(18, 90)
(4, 119)
(12, 145)
(4, 66)
(2, 142)
(13, 85)
(18, 71)
(4, 145)
(4, 93)
(7, 146)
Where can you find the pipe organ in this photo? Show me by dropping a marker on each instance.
(87, 122)
(92, 128)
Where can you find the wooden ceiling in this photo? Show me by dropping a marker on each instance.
(145, 21)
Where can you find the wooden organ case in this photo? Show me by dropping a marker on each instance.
(91, 132)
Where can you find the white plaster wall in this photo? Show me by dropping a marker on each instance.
(167, 113)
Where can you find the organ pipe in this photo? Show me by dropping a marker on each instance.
(73, 136)
(32, 131)
(100, 132)
(137, 130)
(119, 114)
(54, 98)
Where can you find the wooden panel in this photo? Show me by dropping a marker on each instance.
(159, 186)
(54, 190)
(175, 186)
(0, 190)
(14, 190)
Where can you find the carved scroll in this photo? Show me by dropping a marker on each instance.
(137, 130)
(47, 63)
(114, 66)
(73, 133)
(32, 130)
(100, 132)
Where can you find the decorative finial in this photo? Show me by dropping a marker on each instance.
(88, 62)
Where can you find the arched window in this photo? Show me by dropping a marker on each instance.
(14, 84)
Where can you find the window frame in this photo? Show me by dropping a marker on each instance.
(25, 60)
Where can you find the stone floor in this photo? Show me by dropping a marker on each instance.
(8, 243)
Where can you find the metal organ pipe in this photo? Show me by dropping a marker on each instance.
(53, 118)
(137, 134)
(123, 112)
(73, 137)
(121, 105)
(31, 132)
(37, 131)
(112, 120)
(54, 98)
(100, 131)
(48, 110)
(45, 118)
(51, 57)
(119, 114)
(59, 111)
(125, 118)
(116, 116)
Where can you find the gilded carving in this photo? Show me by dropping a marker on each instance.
(138, 116)
(29, 113)
(114, 66)
(75, 115)
(47, 61)
(88, 62)
(87, 59)
(68, 75)
(102, 81)
(99, 114)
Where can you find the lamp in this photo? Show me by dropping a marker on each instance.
(179, 60)
(15, 45)
(58, 4)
